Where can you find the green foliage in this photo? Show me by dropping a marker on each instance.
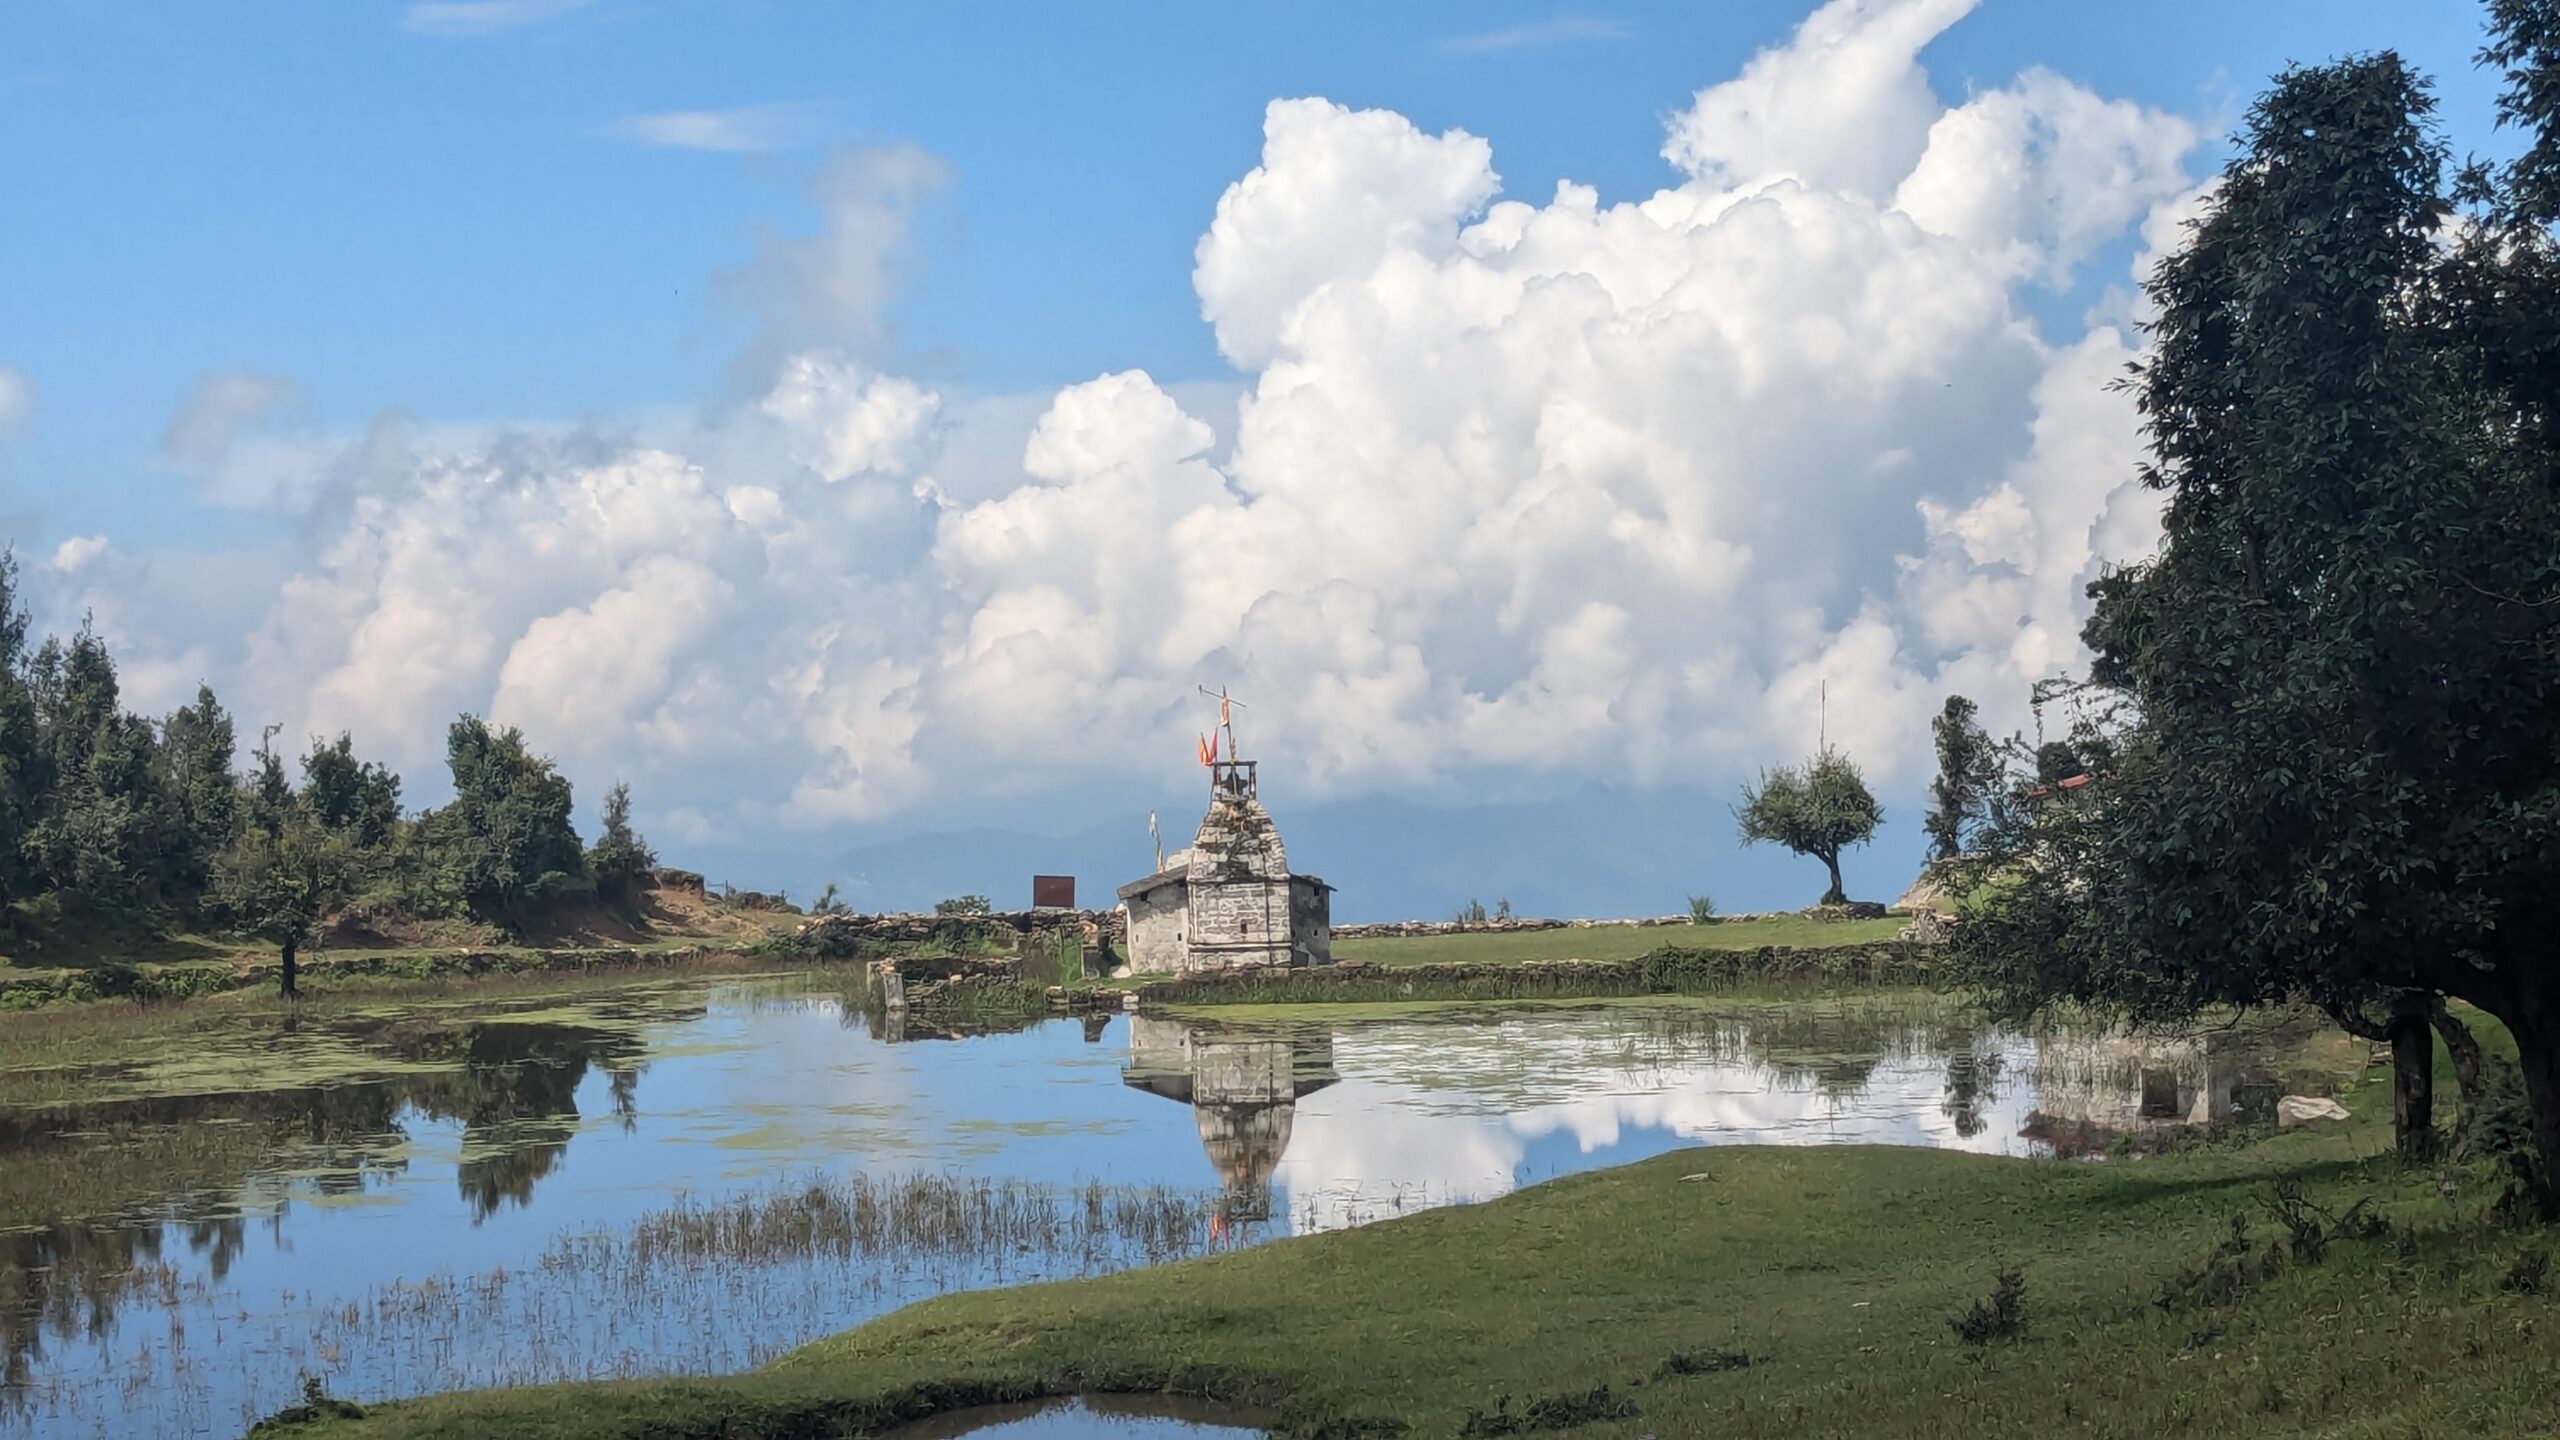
(277, 887)
(107, 828)
(21, 776)
(621, 860)
(268, 802)
(1819, 810)
(110, 819)
(1968, 768)
(1702, 909)
(355, 796)
(2000, 1317)
(2497, 1123)
(2057, 761)
(963, 905)
(1471, 913)
(2326, 713)
(1564, 1410)
(200, 742)
(506, 837)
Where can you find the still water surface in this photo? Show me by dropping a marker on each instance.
(699, 1176)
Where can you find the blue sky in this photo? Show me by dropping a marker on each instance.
(788, 407)
(454, 224)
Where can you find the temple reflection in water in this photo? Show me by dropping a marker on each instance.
(2092, 1089)
(1243, 1088)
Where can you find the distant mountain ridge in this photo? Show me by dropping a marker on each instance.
(1596, 853)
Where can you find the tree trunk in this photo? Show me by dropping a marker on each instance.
(2413, 1074)
(2538, 1056)
(2468, 1069)
(291, 945)
(1836, 895)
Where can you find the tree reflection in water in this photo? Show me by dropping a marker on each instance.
(77, 1253)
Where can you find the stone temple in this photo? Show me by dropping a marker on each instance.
(1229, 901)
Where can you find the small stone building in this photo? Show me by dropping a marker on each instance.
(1228, 902)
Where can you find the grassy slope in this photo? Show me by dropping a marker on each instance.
(112, 959)
(1834, 1269)
(1613, 942)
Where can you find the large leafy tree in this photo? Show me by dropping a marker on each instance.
(356, 796)
(2333, 769)
(1968, 767)
(277, 886)
(1817, 809)
(107, 828)
(507, 833)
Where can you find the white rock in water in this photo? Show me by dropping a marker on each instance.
(2303, 1109)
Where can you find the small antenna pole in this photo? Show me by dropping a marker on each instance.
(1822, 718)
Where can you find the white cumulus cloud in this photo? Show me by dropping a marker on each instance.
(1511, 485)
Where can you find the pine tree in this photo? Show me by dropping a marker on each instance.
(200, 742)
(1967, 768)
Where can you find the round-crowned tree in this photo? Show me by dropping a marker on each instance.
(1819, 809)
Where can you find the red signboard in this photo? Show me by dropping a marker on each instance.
(1053, 892)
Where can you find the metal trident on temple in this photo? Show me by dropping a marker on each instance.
(1227, 706)
(1232, 775)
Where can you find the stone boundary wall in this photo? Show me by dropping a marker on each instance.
(1400, 929)
(1670, 970)
(1021, 930)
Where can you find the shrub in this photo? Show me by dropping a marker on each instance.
(1565, 1411)
(1702, 909)
(2498, 1123)
(963, 905)
(1702, 1362)
(2529, 1274)
(1471, 913)
(2312, 1228)
(1998, 1317)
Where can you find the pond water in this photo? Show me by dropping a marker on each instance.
(698, 1176)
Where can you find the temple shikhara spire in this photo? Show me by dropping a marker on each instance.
(1229, 901)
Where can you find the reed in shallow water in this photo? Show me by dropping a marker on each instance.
(698, 1287)
(906, 1218)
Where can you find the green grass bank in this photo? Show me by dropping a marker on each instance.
(1617, 942)
(1745, 1291)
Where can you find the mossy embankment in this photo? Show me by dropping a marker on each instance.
(1668, 970)
(241, 970)
(1744, 1291)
